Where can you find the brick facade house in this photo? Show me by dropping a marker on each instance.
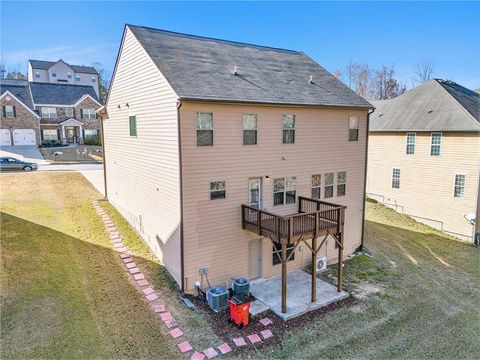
(44, 113)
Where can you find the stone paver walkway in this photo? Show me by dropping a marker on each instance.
(158, 308)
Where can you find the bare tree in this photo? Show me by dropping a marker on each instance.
(423, 71)
(359, 78)
(384, 84)
(103, 84)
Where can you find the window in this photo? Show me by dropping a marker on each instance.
(288, 125)
(88, 114)
(68, 112)
(396, 178)
(93, 79)
(54, 73)
(9, 111)
(77, 77)
(49, 112)
(217, 190)
(329, 179)
(249, 129)
(436, 143)
(277, 253)
(132, 120)
(411, 137)
(204, 125)
(459, 189)
(316, 186)
(37, 74)
(90, 134)
(69, 75)
(341, 183)
(50, 134)
(284, 190)
(353, 128)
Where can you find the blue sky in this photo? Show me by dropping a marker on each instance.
(333, 33)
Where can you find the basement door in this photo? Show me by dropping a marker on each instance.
(255, 259)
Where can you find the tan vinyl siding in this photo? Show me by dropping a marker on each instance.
(427, 182)
(213, 236)
(143, 171)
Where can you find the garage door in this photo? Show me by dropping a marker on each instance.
(5, 137)
(24, 137)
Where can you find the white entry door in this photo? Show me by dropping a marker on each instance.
(5, 137)
(24, 137)
(255, 194)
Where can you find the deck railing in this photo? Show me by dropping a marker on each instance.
(313, 217)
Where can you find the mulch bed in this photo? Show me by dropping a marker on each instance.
(226, 330)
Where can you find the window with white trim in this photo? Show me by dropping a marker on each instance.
(68, 112)
(459, 187)
(9, 111)
(54, 73)
(436, 144)
(69, 75)
(77, 77)
(277, 253)
(49, 112)
(249, 129)
(204, 126)
(288, 127)
(88, 114)
(341, 183)
(217, 190)
(37, 74)
(353, 128)
(50, 134)
(329, 182)
(284, 190)
(396, 178)
(94, 79)
(411, 139)
(316, 186)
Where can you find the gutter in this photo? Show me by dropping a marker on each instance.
(365, 181)
(182, 250)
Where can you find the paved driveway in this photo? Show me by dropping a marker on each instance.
(23, 152)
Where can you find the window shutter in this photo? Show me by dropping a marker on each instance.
(58, 134)
(81, 113)
(14, 111)
(4, 111)
(41, 135)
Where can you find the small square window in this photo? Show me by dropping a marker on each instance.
(54, 73)
(69, 75)
(217, 190)
(9, 111)
(353, 128)
(249, 129)
(94, 79)
(459, 188)
(68, 112)
(37, 74)
(204, 126)
(288, 126)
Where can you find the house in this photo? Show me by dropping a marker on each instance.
(60, 72)
(211, 146)
(424, 153)
(40, 113)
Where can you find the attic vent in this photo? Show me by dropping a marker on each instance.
(311, 79)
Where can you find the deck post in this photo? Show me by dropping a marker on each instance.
(314, 259)
(284, 278)
(341, 213)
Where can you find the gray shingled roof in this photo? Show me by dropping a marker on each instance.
(45, 65)
(62, 94)
(202, 68)
(19, 89)
(437, 105)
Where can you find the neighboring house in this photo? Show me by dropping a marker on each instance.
(197, 127)
(424, 155)
(60, 72)
(19, 123)
(36, 113)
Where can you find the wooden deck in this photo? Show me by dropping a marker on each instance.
(314, 218)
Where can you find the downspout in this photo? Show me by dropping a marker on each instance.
(365, 181)
(104, 160)
(182, 251)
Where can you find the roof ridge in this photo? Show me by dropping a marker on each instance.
(215, 39)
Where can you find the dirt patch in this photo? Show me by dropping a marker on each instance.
(226, 330)
(364, 289)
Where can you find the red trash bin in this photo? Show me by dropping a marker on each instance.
(240, 309)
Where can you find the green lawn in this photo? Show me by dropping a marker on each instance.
(65, 294)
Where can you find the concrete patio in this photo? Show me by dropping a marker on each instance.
(268, 291)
